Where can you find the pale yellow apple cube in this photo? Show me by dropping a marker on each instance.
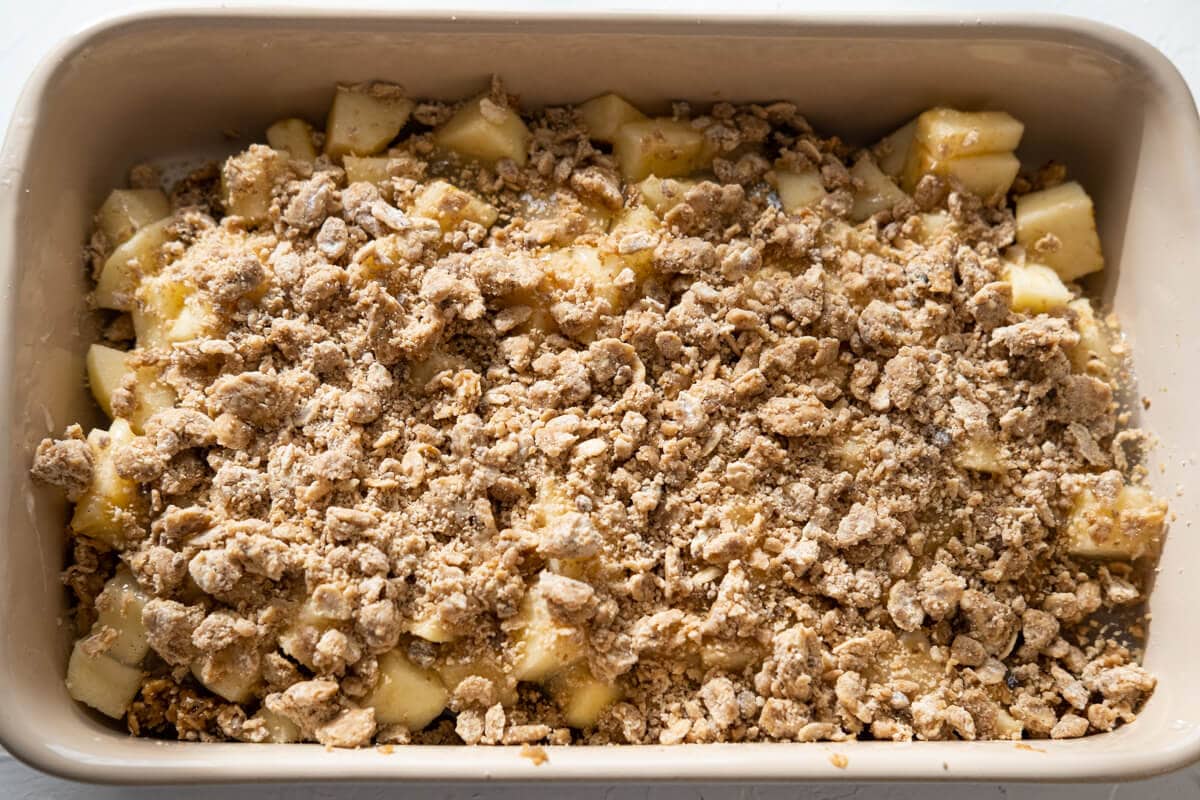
(1126, 530)
(604, 115)
(366, 169)
(586, 265)
(450, 206)
(127, 211)
(111, 502)
(485, 131)
(1035, 288)
(581, 696)
(663, 195)
(542, 645)
(139, 256)
(891, 152)
(169, 311)
(431, 628)
(798, 190)
(406, 694)
(1095, 349)
(989, 175)
(933, 225)
(640, 220)
(455, 669)
(119, 607)
(1058, 227)
(663, 147)
(300, 638)
(365, 118)
(232, 673)
(294, 137)
(948, 134)
(876, 191)
(107, 369)
(102, 682)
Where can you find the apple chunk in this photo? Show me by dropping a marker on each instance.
(406, 694)
(294, 137)
(119, 608)
(1125, 528)
(364, 118)
(111, 503)
(947, 133)
(102, 682)
(127, 211)
(1036, 288)
(891, 152)
(663, 147)
(543, 646)
(582, 697)
(799, 189)
(450, 206)
(604, 115)
(107, 371)
(1058, 226)
(485, 131)
(137, 257)
(877, 192)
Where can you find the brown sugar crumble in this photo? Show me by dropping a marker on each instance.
(454, 425)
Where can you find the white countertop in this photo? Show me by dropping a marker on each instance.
(29, 28)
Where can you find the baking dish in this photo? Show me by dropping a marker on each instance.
(169, 84)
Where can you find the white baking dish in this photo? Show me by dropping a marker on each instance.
(170, 83)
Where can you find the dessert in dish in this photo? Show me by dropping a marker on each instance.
(453, 424)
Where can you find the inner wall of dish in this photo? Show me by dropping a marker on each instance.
(165, 91)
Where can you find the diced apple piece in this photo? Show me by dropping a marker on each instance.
(642, 224)
(663, 195)
(1035, 288)
(604, 115)
(366, 169)
(431, 629)
(365, 118)
(891, 152)
(1058, 227)
(949, 134)
(1095, 350)
(543, 645)
(406, 694)
(141, 255)
(294, 137)
(1126, 529)
(111, 502)
(581, 696)
(877, 193)
(1008, 726)
(989, 175)
(280, 729)
(454, 670)
(169, 311)
(300, 638)
(127, 211)
(730, 656)
(107, 369)
(571, 266)
(933, 224)
(119, 607)
(451, 206)
(799, 190)
(485, 131)
(981, 453)
(233, 673)
(101, 681)
(248, 182)
(663, 147)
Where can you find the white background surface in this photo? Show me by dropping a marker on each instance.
(28, 28)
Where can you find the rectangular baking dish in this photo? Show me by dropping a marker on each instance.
(170, 84)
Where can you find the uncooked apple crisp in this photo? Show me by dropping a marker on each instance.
(452, 424)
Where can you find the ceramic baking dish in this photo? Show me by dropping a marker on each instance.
(170, 84)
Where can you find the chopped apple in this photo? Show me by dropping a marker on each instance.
(107, 370)
(294, 137)
(420, 373)
(933, 224)
(604, 115)
(799, 190)
(366, 169)
(170, 311)
(280, 729)
(406, 694)
(126, 211)
(543, 646)
(663, 195)
(233, 673)
(300, 638)
(365, 118)
(877, 192)
(139, 256)
(662, 147)
(580, 264)
(581, 696)
(730, 656)
(450, 206)
(248, 182)
(430, 628)
(950, 134)
(101, 681)
(989, 175)
(1035, 288)
(1058, 227)
(454, 670)
(636, 220)
(485, 131)
(119, 608)
(891, 152)
(1094, 351)
(111, 503)
(1125, 529)
(981, 453)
